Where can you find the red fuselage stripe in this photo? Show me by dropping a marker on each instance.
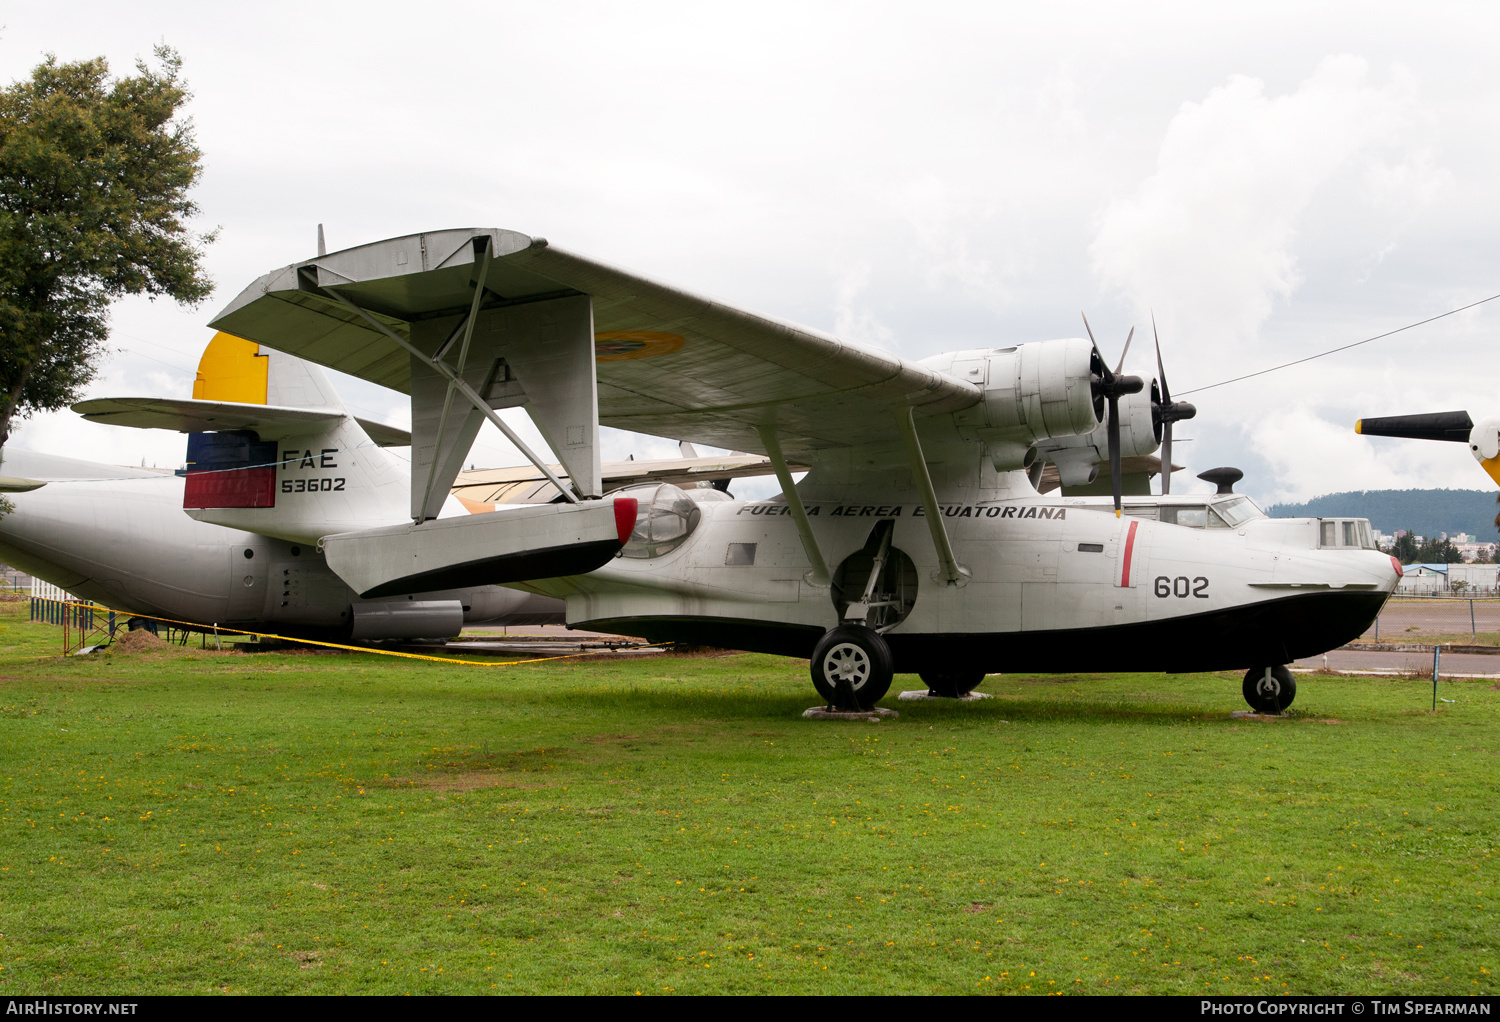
(1129, 549)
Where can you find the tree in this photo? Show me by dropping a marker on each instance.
(1439, 551)
(94, 180)
(1405, 548)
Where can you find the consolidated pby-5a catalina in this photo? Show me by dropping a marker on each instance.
(917, 542)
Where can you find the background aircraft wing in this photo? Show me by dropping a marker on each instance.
(669, 362)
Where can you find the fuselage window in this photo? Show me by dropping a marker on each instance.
(740, 555)
(1330, 535)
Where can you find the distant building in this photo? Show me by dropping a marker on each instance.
(1444, 578)
(1472, 551)
(1473, 577)
(1423, 578)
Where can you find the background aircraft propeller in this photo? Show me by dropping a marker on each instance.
(1451, 426)
(1112, 386)
(1167, 413)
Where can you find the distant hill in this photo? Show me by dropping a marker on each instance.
(1425, 512)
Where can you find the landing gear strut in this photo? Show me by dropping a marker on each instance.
(1269, 689)
(852, 667)
(952, 684)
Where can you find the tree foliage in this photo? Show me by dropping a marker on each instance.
(1407, 550)
(94, 181)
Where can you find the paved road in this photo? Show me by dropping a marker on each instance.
(1416, 663)
(1410, 619)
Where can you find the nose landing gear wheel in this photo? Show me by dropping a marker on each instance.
(952, 684)
(852, 667)
(1269, 689)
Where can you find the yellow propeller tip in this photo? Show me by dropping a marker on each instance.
(1359, 426)
(1117, 512)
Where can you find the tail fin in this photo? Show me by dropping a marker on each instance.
(296, 476)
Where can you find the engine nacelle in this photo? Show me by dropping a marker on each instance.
(1031, 392)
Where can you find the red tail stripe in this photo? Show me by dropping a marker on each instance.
(1129, 549)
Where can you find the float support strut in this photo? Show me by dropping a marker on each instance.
(457, 383)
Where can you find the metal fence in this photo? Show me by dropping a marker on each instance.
(54, 605)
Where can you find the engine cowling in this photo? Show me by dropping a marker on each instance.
(1031, 392)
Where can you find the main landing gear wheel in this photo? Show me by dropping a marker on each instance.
(952, 684)
(1269, 689)
(852, 667)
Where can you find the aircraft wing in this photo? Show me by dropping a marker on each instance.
(669, 362)
(186, 415)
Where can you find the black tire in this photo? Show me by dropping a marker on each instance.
(1273, 696)
(952, 684)
(852, 667)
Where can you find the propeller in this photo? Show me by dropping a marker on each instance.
(1452, 426)
(1111, 386)
(1167, 413)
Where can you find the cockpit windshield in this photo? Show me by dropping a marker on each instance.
(1223, 514)
(1237, 510)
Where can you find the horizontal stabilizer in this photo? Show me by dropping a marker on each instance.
(383, 435)
(1451, 426)
(525, 542)
(189, 416)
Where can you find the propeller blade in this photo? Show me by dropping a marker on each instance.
(1161, 371)
(1166, 403)
(1166, 457)
(1454, 426)
(1128, 338)
(1109, 377)
(1116, 479)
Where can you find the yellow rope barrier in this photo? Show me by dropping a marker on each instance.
(359, 649)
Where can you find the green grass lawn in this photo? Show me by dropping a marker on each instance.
(276, 823)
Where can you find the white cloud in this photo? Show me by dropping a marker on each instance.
(1209, 240)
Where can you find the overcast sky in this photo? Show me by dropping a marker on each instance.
(1272, 180)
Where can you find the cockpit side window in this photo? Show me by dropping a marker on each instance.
(1192, 517)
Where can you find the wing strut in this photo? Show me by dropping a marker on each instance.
(949, 570)
(463, 356)
(457, 382)
(820, 576)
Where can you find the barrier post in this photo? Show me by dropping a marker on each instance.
(1436, 653)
